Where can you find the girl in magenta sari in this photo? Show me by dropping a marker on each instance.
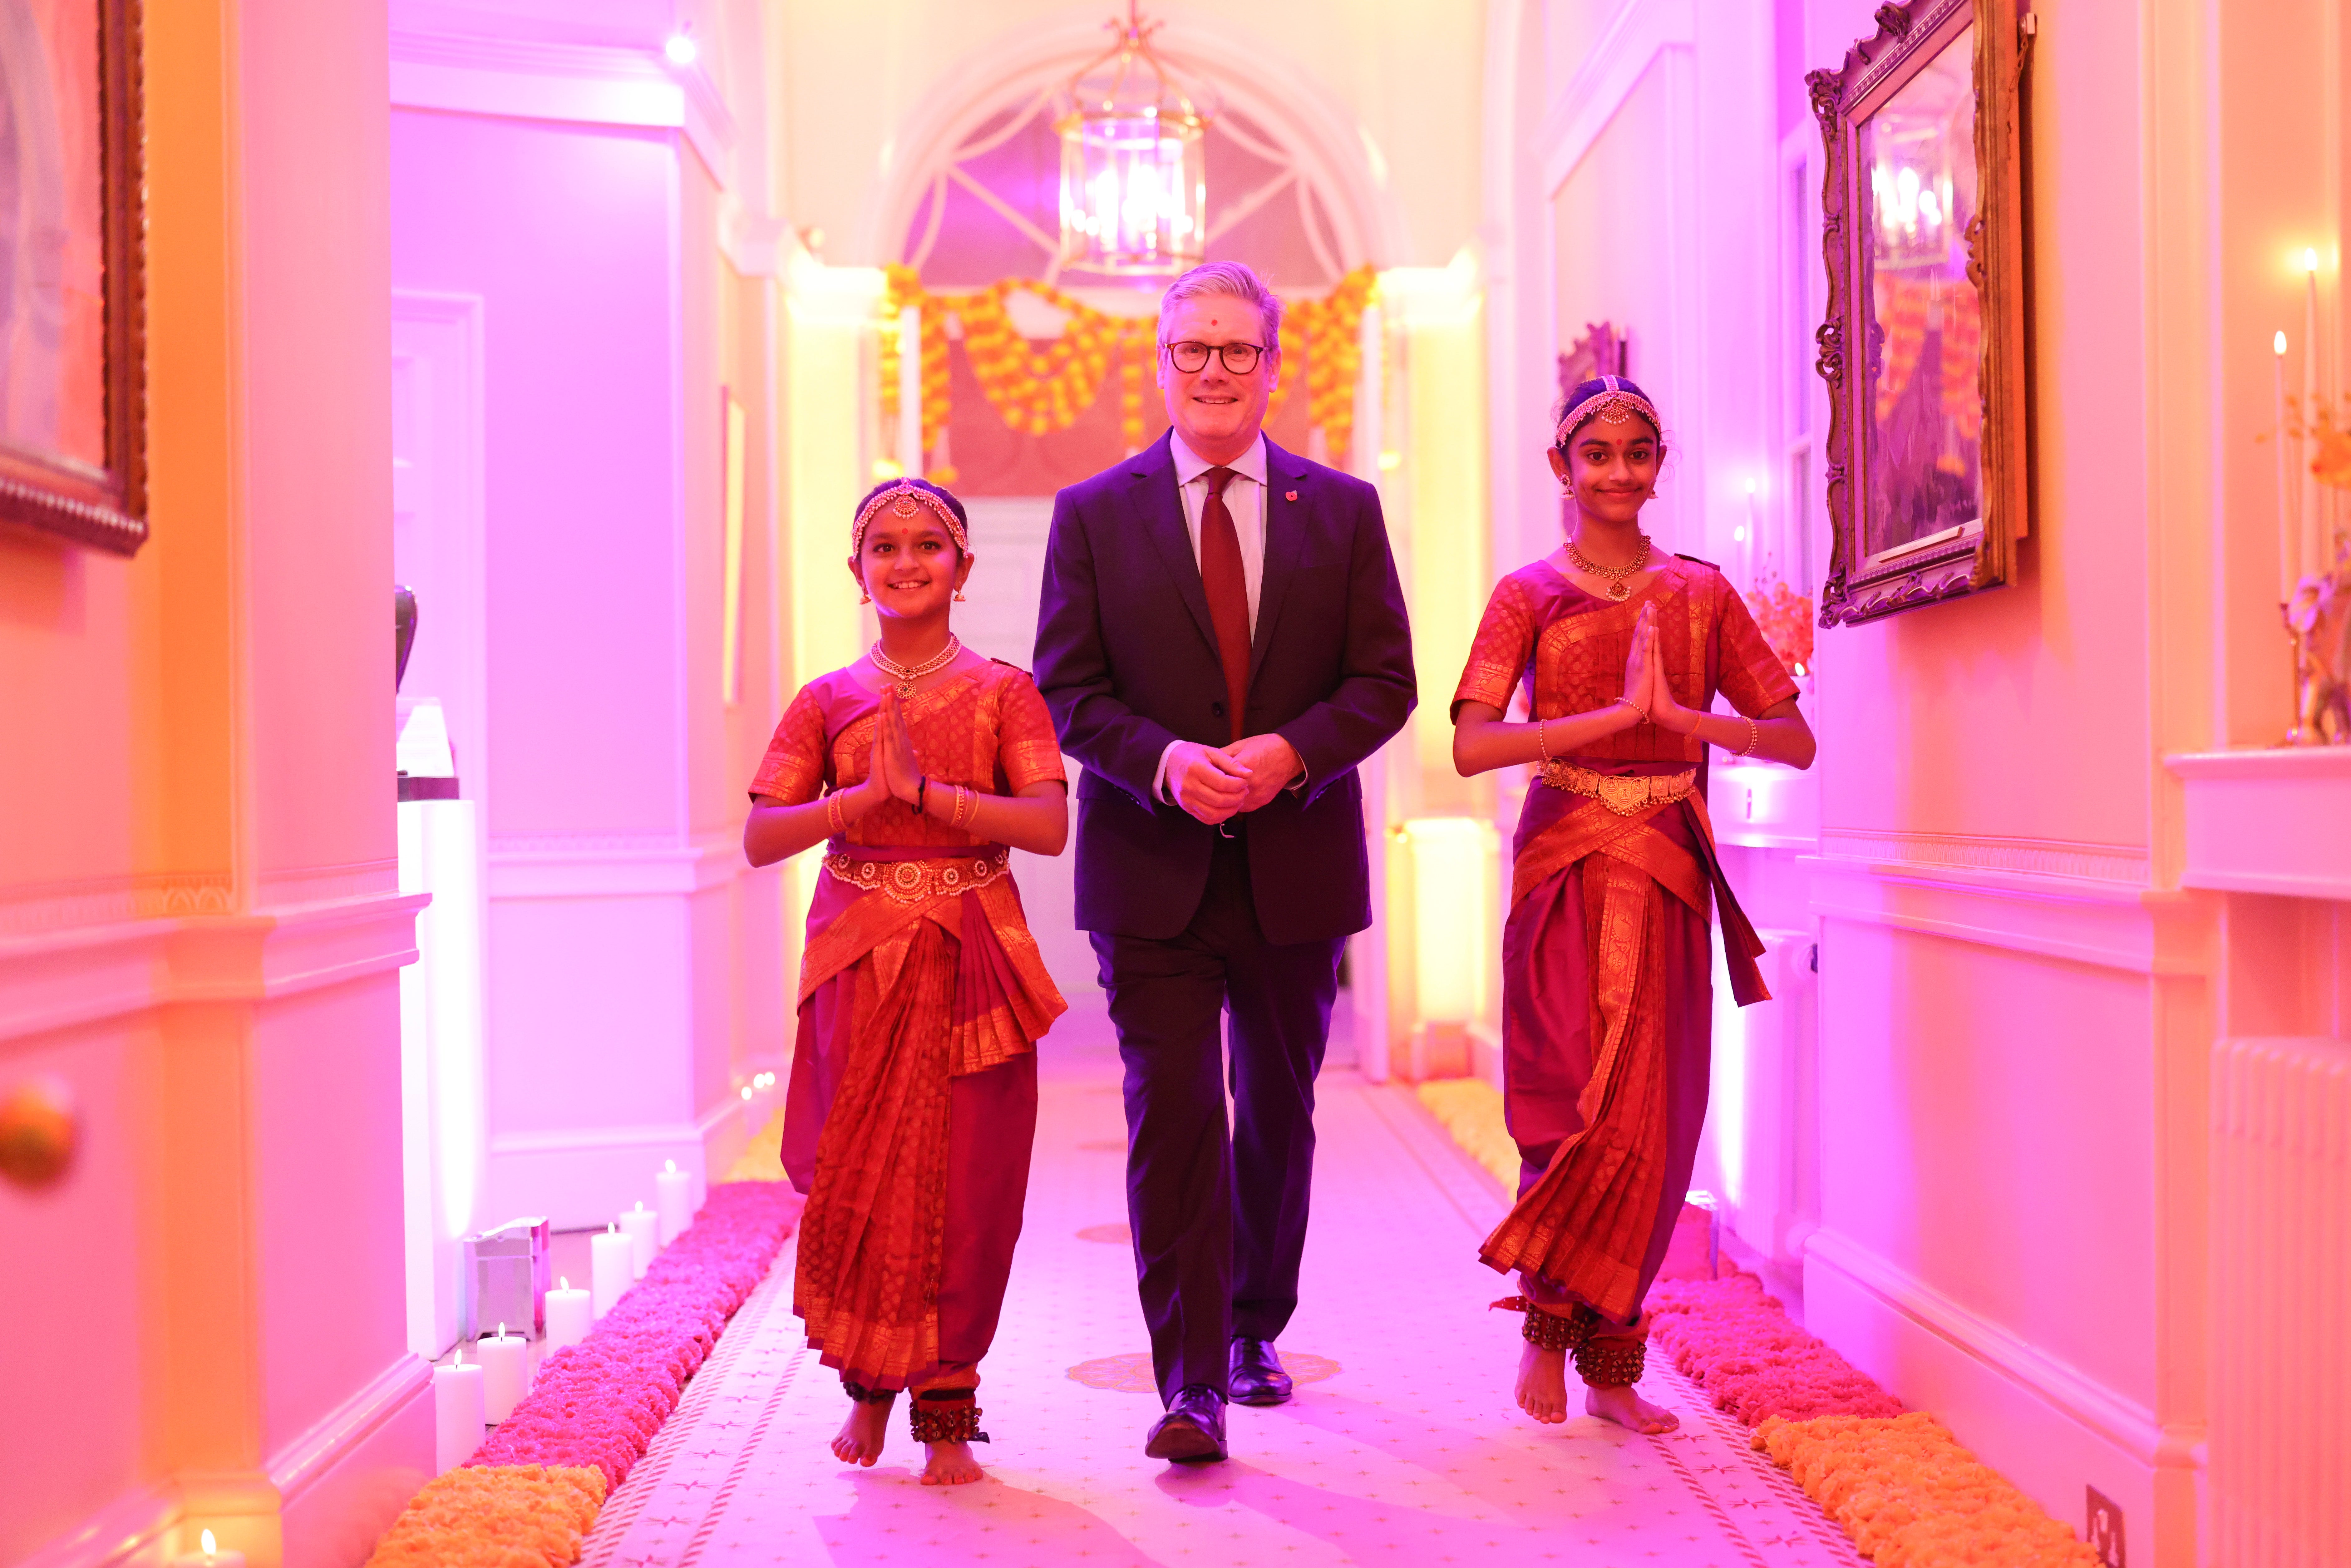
(1606, 987)
(913, 1101)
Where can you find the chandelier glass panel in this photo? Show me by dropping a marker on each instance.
(1135, 184)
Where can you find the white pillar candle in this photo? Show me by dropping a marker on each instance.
(674, 1196)
(2312, 510)
(210, 1553)
(2284, 479)
(611, 1258)
(570, 1315)
(457, 1419)
(506, 1372)
(639, 1226)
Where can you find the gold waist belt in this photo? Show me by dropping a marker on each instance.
(933, 876)
(1620, 793)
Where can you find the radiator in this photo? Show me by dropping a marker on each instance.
(2280, 1405)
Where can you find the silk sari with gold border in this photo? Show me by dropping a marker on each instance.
(932, 976)
(1605, 970)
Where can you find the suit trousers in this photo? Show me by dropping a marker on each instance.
(1218, 1214)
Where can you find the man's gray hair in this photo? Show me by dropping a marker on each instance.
(1234, 279)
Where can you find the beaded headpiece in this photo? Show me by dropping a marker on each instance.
(1617, 403)
(904, 499)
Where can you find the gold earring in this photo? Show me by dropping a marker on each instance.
(864, 596)
(959, 598)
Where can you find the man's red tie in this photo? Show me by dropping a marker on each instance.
(1228, 589)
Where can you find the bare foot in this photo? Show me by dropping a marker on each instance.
(858, 1441)
(952, 1465)
(1542, 1384)
(1628, 1409)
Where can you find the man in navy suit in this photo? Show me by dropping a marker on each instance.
(1221, 639)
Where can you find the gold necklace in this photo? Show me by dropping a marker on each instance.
(905, 675)
(1615, 574)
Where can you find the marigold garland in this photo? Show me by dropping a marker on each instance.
(1911, 1496)
(1038, 393)
(593, 1408)
(1900, 1484)
(505, 1516)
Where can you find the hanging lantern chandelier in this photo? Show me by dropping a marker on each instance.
(1134, 182)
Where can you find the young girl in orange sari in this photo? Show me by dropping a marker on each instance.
(913, 1101)
(1606, 987)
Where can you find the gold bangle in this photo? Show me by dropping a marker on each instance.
(1636, 708)
(1754, 734)
(1543, 741)
(833, 818)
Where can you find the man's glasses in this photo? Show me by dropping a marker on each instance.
(1240, 359)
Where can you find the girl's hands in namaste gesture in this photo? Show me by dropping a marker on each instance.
(895, 761)
(1645, 678)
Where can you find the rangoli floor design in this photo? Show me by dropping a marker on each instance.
(1406, 1449)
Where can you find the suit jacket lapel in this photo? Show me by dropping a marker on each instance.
(1285, 532)
(1152, 482)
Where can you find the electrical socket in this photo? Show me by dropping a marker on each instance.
(2105, 1529)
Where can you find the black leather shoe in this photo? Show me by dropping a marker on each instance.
(1257, 1377)
(1193, 1430)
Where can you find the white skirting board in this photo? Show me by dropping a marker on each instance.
(2047, 1427)
(329, 1495)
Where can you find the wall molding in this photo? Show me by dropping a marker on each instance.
(123, 1530)
(594, 1173)
(1574, 119)
(643, 1136)
(588, 866)
(40, 908)
(2099, 921)
(84, 975)
(2128, 1425)
(585, 84)
(2127, 864)
(300, 1464)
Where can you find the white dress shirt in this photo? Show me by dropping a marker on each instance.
(1245, 499)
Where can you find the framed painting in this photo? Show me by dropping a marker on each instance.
(1928, 463)
(72, 355)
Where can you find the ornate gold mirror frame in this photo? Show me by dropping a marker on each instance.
(73, 447)
(1923, 348)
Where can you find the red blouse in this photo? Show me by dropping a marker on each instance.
(1570, 647)
(988, 728)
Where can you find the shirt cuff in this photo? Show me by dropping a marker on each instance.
(1159, 779)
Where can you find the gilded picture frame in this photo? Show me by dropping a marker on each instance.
(72, 289)
(1928, 465)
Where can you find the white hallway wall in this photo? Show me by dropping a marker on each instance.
(2016, 1007)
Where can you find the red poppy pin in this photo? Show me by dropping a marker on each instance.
(1290, 495)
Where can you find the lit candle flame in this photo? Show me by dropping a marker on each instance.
(670, 1167)
(641, 1206)
(2310, 261)
(211, 1545)
(2277, 345)
(563, 1282)
(502, 1330)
